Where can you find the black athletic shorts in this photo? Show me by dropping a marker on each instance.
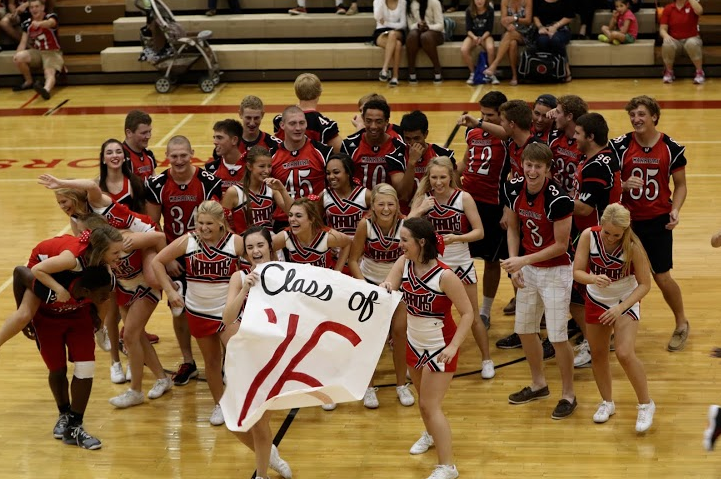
(494, 245)
(657, 241)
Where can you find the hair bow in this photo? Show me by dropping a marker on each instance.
(440, 244)
(313, 197)
(85, 237)
(357, 182)
(228, 215)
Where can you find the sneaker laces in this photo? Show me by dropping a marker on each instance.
(440, 472)
(643, 412)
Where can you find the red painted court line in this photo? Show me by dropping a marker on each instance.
(233, 109)
(30, 100)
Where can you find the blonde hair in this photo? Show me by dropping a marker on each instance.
(92, 221)
(100, 240)
(251, 102)
(388, 190)
(308, 87)
(425, 184)
(617, 215)
(215, 210)
(79, 198)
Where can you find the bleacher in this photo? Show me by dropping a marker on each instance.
(100, 39)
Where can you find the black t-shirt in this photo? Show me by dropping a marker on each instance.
(549, 13)
(481, 23)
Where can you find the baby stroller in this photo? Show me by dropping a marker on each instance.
(171, 50)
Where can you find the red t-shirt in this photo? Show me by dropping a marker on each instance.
(682, 23)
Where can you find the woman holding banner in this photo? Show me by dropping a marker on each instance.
(257, 243)
(429, 290)
(375, 249)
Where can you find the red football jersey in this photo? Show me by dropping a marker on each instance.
(566, 157)
(375, 164)
(41, 38)
(228, 174)
(536, 215)
(487, 166)
(320, 127)
(302, 171)
(143, 163)
(654, 166)
(179, 202)
(542, 136)
(597, 183)
(514, 155)
(431, 152)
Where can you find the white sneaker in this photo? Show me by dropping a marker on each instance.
(444, 472)
(645, 416)
(160, 387)
(116, 373)
(668, 76)
(329, 407)
(700, 78)
(370, 399)
(278, 464)
(102, 339)
(405, 396)
(470, 79)
(605, 410)
(423, 444)
(583, 358)
(216, 417)
(487, 369)
(128, 399)
(128, 376)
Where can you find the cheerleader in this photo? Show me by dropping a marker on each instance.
(257, 244)
(375, 249)
(117, 179)
(429, 290)
(309, 241)
(210, 255)
(454, 215)
(612, 262)
(254, 202)
(136, 301)
(344, 202)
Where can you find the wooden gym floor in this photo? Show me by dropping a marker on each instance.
(171, 436)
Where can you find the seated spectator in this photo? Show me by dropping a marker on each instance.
(17, 13)
(300, 9)
(479, 29)
(390, 33)
(454, 6)
(586, 10)
(623, 27)
(517, 19)
(425, 30)
(552, 18)
(679, 29)
(234, 6)
(352, 10)
(39, 46)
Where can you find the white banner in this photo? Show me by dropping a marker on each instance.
(309, 336)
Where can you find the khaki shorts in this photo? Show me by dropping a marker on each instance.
(46, 59)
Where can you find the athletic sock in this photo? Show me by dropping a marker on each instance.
(76, 419)
(486, 306)
(64, 409)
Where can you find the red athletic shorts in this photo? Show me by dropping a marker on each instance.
(72, 330)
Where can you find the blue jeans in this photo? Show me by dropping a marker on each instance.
(555, 44)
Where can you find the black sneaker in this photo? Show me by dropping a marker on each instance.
(76, 436)
(23, 86)
(61, 426)
(510, 308)
(486, 321)
(509, 342)
(41, 91)
(564, 408)
(186, 372)
(548, 351)
(527, 395)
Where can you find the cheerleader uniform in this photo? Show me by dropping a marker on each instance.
(451, 219)
(622, 285)
(261, 204)
(430, 323)
(208, 271)
(131, 282)
(380, 251)
(315, 254)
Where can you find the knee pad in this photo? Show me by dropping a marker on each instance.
(84, 369)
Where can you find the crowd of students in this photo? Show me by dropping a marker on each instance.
(579, 222)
